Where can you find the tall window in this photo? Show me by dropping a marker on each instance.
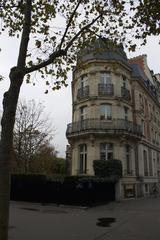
(84, 81)
(150, 162)
(145, 163)
(83, 113)
(141, 102)
(126, 113)
(105, 78)
(128, 158)
(124, 83)
(106, 112)
(106, 151)
(150, 111)
(143, 126)
(158, 165)
(82, 158)
(156, 138)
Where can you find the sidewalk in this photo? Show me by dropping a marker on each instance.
(128, 220)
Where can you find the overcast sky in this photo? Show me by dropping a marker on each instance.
(58, 103)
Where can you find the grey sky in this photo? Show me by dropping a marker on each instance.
(58, 103)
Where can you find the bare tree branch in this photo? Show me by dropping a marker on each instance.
(81, 31)
(61, 52)
(69, 23)
(32, 130)
(52, 57)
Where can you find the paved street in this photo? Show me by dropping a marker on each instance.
(128, 220)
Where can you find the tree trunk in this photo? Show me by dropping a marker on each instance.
(8, 118)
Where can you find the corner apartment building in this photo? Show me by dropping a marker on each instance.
(116, 115)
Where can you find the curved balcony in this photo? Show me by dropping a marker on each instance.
(97, 126)
(105, 90)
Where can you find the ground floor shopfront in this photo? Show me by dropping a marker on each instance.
(137, 187)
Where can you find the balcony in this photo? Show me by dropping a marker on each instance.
(83, 92)
(125, 94)
(97, 126)
(105, 90)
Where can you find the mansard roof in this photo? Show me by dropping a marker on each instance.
(103, 49)
(138, 72)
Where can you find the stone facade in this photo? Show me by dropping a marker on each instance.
(116, 115)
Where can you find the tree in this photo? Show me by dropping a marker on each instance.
(59, 166)
(51, 51)
(48, 52)
(146, 18)
(32, 130)
(45, 161)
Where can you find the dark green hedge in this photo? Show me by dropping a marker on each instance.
(74, 190)
(109, 168)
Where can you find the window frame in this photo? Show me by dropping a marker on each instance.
(128, 158)
(106, 113)
(126, 110)
(106, 149)
(105, 80)
(83, 81)
(82, 152)
(82, 113)
(145, 162)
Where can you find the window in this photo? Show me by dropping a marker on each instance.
(154, 166)
(83, 90)
(158, 160)
(141, 101)
(83, 113)
(106, 151)
(124, 83)
(105, 112)
(126, 113)
(156, 137)
(84, 81)
(150, 162)
(145, 163)
(105, 78)
(82, 158)
(150, 111)
(143, 126)
(128, 158)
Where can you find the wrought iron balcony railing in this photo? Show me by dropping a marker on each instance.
(116, 126)
(83, 92)
(105, 90)
(125, 94)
